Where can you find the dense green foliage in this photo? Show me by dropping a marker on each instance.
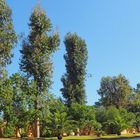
(134, 105)
(84, 118)
(76, 59)
(37, 50)
(36, 55)
(114, 120)
(7, 34)
(114, 91)
(7, 41)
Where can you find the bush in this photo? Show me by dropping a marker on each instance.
(100, 133)
(9, 131)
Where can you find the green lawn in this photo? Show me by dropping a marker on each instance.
(103, 137)
(81, 137)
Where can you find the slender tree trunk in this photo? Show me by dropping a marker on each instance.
(37, 122)
(37, 128)
(18, 132)
(37, 107)
(1, 132)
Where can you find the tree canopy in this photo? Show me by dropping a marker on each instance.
(73, 80)
(8, 36)
(114, 91)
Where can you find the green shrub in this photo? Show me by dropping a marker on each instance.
(9, 131)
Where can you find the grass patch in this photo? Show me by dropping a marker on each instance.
(108, 137)
(102, 137)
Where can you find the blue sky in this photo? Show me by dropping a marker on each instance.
(111, 29)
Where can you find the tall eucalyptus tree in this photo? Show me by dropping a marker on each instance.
(36, 52)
